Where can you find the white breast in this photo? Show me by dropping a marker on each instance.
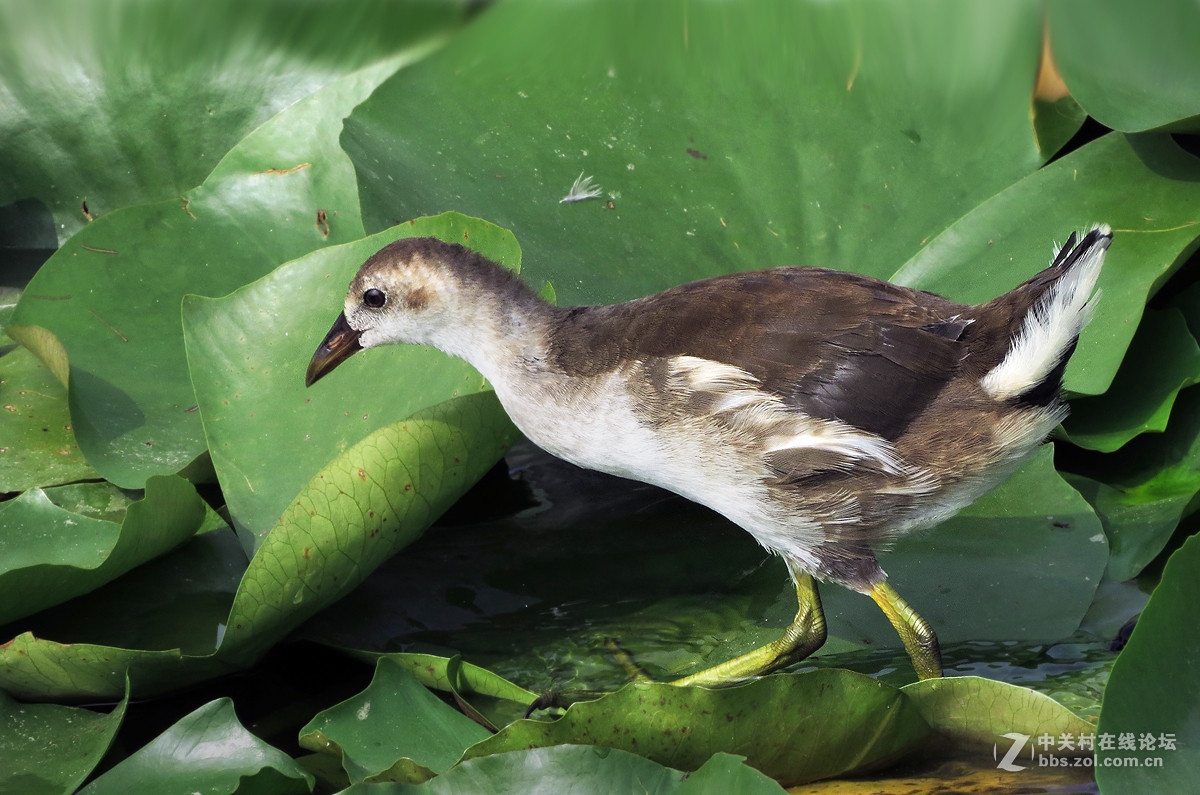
(593, 423)
(590, 423)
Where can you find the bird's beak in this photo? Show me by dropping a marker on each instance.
(339, 345)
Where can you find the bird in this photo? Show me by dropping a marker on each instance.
(827, 413)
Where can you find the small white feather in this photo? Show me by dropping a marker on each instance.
(580, 190)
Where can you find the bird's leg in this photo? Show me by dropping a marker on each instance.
(918, 637)
(803, 636)
(635, 672)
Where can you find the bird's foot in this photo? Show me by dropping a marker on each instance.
(803, 636)
(560, 700)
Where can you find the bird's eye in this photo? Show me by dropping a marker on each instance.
(374, 298)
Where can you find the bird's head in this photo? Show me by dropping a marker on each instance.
(417, 290)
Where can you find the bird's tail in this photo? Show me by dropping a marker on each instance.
(1059, 303)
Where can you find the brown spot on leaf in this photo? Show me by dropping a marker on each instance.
(98, 250)
(284, 170)
(110, 325)
(696, 154)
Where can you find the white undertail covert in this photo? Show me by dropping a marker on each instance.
(1050, 326)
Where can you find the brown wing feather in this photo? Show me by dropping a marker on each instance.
(831, 344)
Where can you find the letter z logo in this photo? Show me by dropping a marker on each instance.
(1006, 763)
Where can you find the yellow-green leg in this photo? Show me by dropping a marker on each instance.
(805, 635)
(918, 637)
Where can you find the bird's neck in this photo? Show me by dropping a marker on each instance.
(499, 333)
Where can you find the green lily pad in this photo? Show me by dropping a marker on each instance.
(1144, 81)
(1188, 302)
(49, 748)
(8, 302)
(842, 135)
(727, 773)
(1010, 234)
(178, 602)
(976, 713)
(50, 554)
(39, 447)
(248, 352)
(1138, 520)
(1152, 701)
(1143, 490)
(160, 622)
(111, 294)
(395, 730)
(95, 500)
(207, 751)
(1162, 359)
(363, 507)
(792, 727)
(358, 511)
(118, 103)
(569, 768)
(434, 671)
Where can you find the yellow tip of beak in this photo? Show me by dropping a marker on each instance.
(339, 345)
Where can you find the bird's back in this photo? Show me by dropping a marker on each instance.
(827, 343)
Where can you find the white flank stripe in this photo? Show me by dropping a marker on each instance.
(838, 438)
(740, 395)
